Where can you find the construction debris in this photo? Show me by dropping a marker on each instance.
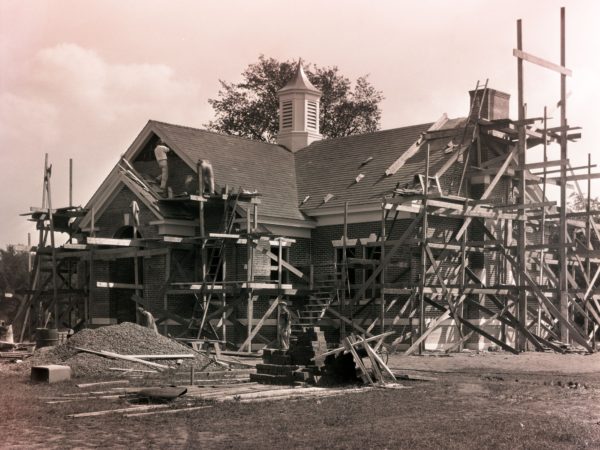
(123, 339)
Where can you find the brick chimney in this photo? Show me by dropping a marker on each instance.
(495, 104)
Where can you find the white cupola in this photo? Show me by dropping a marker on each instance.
(298, 112)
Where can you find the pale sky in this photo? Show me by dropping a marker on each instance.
(79, 79)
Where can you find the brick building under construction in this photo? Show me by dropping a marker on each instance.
(440, 233)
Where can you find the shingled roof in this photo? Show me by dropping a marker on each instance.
(328, 167)
(240, 162)
(331, 166)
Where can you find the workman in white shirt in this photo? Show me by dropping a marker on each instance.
(160, 152)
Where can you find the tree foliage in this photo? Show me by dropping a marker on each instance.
(250, 108)
(13, 269)
(578, 202)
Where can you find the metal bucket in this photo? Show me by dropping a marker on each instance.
(46, 337)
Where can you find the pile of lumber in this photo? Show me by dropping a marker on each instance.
(376, 371)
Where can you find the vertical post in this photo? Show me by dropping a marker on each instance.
(136, 267)
(345, 274)
(93, 223)
(224, 301)
(226, 219)
(543, 225)
(70, 181)
(44, 185)
(29, 253)
(562, 251)
(382, 276)
(255, 217)
(166, 295)
(463, 268)
(424, 228)
(249, 277)
(201, 195)
(200, 175)
(279, 264)
(521, 227)
(91, 286)
(588, 245)
(53, 246)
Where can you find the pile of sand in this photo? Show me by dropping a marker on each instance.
(125, 339)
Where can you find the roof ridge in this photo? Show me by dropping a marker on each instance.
(216, 133)
(365, 134)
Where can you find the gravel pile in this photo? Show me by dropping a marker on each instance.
(125, 339)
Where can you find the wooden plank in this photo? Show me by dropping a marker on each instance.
(525, 206)
(118, 410)
(260, 323)
(370, 339)
(284, 263)
(414, 148)
(163, 356)
(583, 176)
(432, 326)
(541, 62)
(388, 257)
(223, 236)
(349, 346)
(346, 320)
(124, 357)
(475, 328)
(488, 190)
(109, 241)
(553, 163)
(376, 357)
(254, 285)
(102, 383)
(538, 292)
(374, 365)
(111, 285)
(167, 411)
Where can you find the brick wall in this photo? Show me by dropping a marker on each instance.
(112, 218)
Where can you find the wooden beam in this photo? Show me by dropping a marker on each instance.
(388, 257)
(583, 176)
(475, 328)
(284, 263)
(540, 295)
(541, 62)
(414, 148)
(488, 190)
(110, 285)
(539, 165)
(432, 326)
(260, 323)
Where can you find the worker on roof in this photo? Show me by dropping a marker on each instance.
(208, 176)
(160, 152)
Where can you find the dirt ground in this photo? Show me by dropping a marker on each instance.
(490, 400)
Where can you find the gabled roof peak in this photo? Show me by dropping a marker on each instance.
(300, 81)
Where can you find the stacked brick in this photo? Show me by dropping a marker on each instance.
(298, 365)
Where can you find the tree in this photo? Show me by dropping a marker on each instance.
(13, 269)
(578, 202)
(13, 276)
(250, 108)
